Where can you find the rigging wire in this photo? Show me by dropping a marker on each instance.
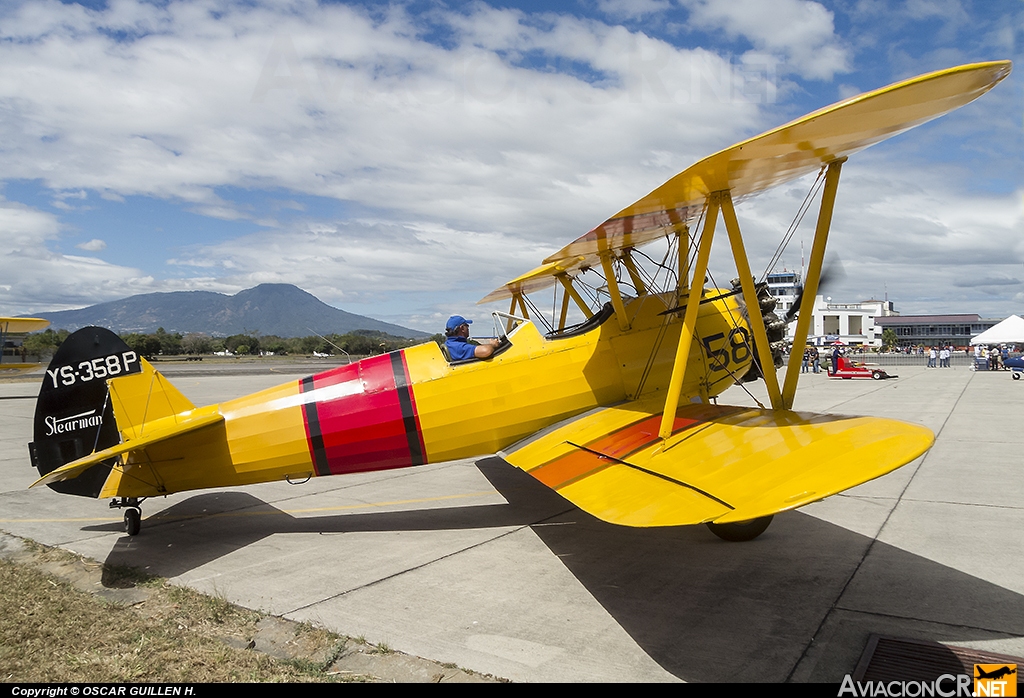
(797, 219)
(537, 312)
(592, 293)
(750, 348)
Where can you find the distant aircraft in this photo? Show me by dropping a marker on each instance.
(18, 326)
(618, 414)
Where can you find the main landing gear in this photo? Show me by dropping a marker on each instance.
(741, 530)
(132, 513)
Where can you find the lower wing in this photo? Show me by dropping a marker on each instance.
(722, 464)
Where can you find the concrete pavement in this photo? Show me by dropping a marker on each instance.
(475, 563)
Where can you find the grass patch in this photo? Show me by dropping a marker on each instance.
(53, 632)
(128, 626)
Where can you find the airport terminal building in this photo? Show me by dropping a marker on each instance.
(850, 323)
(936, 330)
(863, 323)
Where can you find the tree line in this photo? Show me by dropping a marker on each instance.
(163, 343)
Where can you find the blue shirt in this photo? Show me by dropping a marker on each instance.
(460, 349)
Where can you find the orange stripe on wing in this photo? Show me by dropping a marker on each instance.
(618, 445)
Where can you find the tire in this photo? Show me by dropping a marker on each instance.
(1016, 375)
(877, 375)
(132, 521)
(741, 531)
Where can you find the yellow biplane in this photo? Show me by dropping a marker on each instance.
(17, 326)
(618, 413)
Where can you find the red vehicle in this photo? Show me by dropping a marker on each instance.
(841, 367)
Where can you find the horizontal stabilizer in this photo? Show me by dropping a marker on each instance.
(161, 430)
(722, 464)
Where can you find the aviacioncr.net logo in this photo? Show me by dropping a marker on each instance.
(946, 686)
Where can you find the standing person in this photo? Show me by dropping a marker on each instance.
(944, 358)
(805, 366)
(931, 357)
(816, 360)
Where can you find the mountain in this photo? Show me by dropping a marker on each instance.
(269, 309)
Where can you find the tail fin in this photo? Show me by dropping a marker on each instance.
(143, 397)
(74, 412)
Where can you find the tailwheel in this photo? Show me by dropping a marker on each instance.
(132, 513)
(741, 530)
(132, 521)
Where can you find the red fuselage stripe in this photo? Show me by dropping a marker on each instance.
(366, 418)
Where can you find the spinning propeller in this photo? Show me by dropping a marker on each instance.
(832, 274)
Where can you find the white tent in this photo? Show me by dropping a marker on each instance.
(1009, 331)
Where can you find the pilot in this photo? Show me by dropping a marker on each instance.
(456, 331)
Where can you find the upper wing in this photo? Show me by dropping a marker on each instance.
(17, 325)
(537, 279)
(721, 464)
(777, 156)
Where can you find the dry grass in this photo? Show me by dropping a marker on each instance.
(50, 631)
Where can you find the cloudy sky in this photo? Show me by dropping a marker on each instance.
(401, 160)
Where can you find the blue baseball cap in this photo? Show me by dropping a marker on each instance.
(456, 321)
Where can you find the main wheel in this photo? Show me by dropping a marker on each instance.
(877, 375)
(1016, 375)
(741, 530)
(132, 521)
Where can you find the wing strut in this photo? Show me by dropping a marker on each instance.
(517, 299)
(613, 290)
(683, 239)
(566, 282)
(675, 385)
(803, 323)
(634, 273)
(764, 350)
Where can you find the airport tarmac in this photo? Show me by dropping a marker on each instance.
(473, 562)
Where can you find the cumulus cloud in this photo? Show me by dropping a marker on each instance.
(534, 126)
(411, 272)
(801, 33)
(905, 234)
(94, 245)
(176, 100)
(462, 146)
(38, 278)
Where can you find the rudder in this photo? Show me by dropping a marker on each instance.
(74, 413)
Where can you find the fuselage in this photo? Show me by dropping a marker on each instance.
(413, 407)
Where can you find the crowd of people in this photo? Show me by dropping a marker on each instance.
(994, 358)
(941, 355)
(990, 358)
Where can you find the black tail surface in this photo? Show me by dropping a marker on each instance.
(74, 416)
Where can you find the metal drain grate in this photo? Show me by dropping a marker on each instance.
(899, 659)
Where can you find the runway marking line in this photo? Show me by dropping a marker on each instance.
(275, 512)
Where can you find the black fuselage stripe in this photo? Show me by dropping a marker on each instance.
(316, 437)
(408, 414)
